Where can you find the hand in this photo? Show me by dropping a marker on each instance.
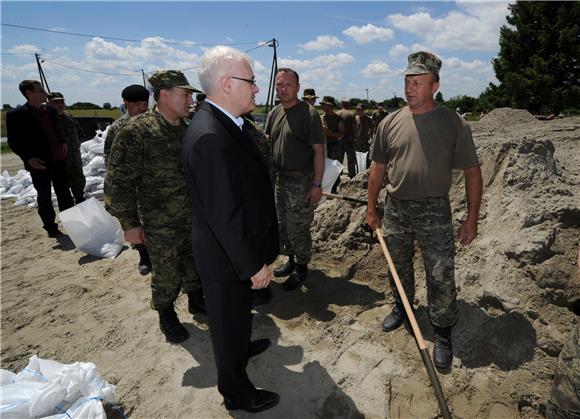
(467, 232)
(373, 219)
(135, 235)
(262, 278)
(314, 195)
(36, 163)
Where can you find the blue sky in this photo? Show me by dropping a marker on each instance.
(339, 48)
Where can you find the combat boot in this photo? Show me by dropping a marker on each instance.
(297, 277)
(171, 326)
(144, 265)
(196, 302)
(286, 269)
(394, 320)
(443, 350)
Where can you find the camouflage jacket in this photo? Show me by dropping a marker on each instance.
(145, 183)
(112, 131)
(70, 130)
(264, 145)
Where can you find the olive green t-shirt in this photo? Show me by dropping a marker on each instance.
(420, 151)
(293, 132)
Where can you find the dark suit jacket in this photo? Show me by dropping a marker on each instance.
(234, 230)
(25, 135)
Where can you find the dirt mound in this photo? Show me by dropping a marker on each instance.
(505, 118)
(519, 286)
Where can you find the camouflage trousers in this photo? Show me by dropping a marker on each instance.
(565, 399)
(295, 215)
(76, 176)
(173, 266)
(428, 222)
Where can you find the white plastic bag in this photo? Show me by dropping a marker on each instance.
(92, 229)
(46, 387)
(332, 170)
(361, 161)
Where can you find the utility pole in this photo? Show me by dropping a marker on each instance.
(43, 81)
(367, 90)
(271, 86)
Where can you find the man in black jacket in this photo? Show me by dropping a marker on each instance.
(33, 137)
(235, 233)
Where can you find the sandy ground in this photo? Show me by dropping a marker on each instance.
(519, 297)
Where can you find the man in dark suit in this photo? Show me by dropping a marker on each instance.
(33, 137)
(235, 233)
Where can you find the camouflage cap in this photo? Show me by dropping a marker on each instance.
(422, 63)
(328, 100)
(55, 96)
(167, 79)
(309, 94)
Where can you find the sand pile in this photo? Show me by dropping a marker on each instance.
(519, 286)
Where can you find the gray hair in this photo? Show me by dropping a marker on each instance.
(216, 63)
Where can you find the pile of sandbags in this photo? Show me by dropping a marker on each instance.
(49, 389)
(20, 185)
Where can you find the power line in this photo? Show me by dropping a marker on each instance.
(89, 71)
(190, 44)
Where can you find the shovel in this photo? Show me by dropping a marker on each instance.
(416, 331)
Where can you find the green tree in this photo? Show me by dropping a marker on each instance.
(6, 107)
(106, 105)
(439, 98)
(84, 105)
(538, 64)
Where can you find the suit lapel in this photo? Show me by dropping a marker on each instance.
(240, 136)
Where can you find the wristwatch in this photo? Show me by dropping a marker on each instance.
(316, 185)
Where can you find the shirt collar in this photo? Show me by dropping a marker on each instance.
(239, 121)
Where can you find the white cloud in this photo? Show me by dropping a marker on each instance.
(59, 49)
(377, 69)
(24, 49)
(398, 50)
(475, 26)
(460, 77)
(324, 72)
(322, 43)
(368, 33)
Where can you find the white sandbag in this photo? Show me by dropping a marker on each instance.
(95, 167)
(48, 387)
(92, 229)
(27, 197)
(361, 161)
(332, 170)
(6, 377)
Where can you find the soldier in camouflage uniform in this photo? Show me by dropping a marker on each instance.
(145, 189)
(309, 96)
(136, 101)
(71, 131)
(565, 398)
(417, 148)
(295, 129)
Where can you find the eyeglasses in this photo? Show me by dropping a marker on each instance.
(251, 81)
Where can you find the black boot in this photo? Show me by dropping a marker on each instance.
(297, 277)
(286, 269)
(443, 350)
(196, 302)
(144, 265)
(171, 326)
(395, 319)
